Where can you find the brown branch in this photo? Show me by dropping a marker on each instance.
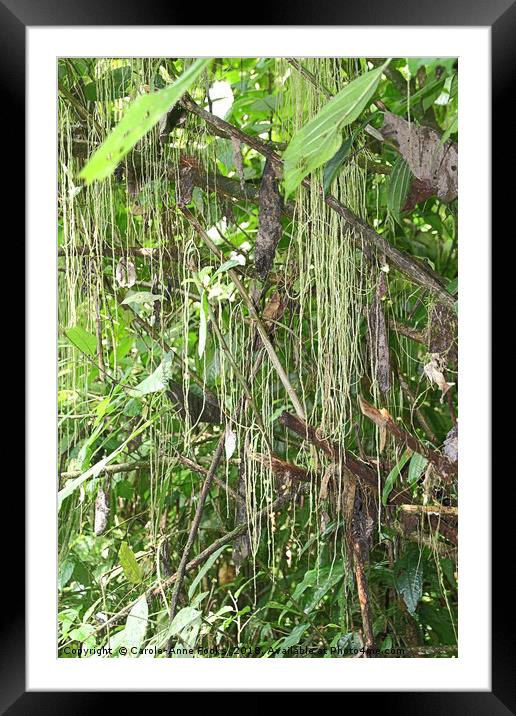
(284, 470)
(413, 333)
(114, 250)
(361, 470)
(217, 457)
(382, 419)
(110, 469)
(431, 509)
(416, 272)
(98, 334)
(363, 597)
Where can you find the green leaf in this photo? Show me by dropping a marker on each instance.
(186, 618)
(334, 577)
(454, 127)
(228, 265)
(140, 117)
(292, 639)
(132, 570)
(65, 572)
(132, 636)
(318, 140)
(409, 578)
(332, 167)
(417, 467)
(203, 324)
(156, 381)
(119, 81)
(141, 297)
(393, 476)
(399, 185)
(209, 563)
(81, 339)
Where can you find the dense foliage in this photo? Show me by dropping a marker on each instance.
(258, 357)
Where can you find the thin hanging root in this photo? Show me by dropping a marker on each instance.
(254, 315)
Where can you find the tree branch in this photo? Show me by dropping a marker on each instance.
(382, 419)
(407, 265)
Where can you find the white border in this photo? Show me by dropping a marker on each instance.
(472, 669)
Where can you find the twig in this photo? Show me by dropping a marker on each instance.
(110, 469)
(214, 546)
(98, 332)
(194, 529)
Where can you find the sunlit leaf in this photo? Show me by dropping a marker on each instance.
(140, 117)
(81, 339)
(129, 564)
(318, 140)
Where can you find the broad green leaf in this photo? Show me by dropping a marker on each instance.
(292, 639)
(453, 285)
(209, 563)
(203, 324)
(183, 618)
(399, 185)
(132, 636)
(229, 265)
(332, 167)
(81, 339)
(333, 578)
(454, 127)
(123, 346)
(140, 117)
(65, 572)
(417, 466)
(409, 578)
(73, 484)
(156, 381)
(129, 564)
(322, 579)
(318, 140)
(141, 297)
(394, 475)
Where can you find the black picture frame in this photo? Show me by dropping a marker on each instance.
(500, 15)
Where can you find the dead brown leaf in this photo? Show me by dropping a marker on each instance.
(434, 165)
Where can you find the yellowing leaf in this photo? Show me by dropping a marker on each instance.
(132, 570)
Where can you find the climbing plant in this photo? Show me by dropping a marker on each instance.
(257, 356)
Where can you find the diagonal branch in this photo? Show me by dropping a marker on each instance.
(382, 419)
(410, 267)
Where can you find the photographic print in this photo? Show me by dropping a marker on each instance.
(257, 357)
